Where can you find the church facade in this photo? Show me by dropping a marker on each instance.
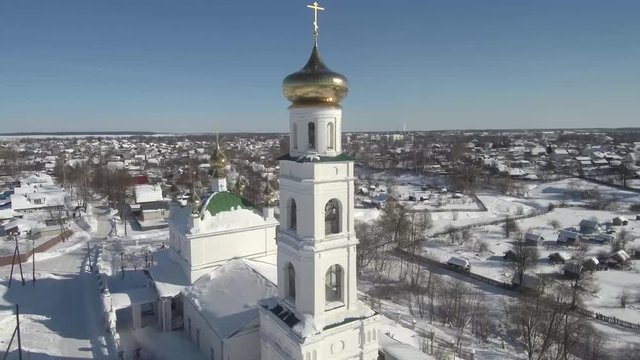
(258, 293)
(317, 314)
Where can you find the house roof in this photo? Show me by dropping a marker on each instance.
(167, 275)
(226, 201)
(147, 193)
(155, 205)
(589, 223)
(533, 237)
(529, 281)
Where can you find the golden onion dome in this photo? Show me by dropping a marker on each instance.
(315, 83)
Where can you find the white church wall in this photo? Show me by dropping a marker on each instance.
(244, 346)
(312, 197)
(198, 254)
(215, 249)
(320, 116)
(194, 323)
(354, 340)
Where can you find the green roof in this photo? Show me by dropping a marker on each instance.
(317, 158)
(227, 201)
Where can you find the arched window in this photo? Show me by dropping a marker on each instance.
(293, 215)
(332, 217)
(312, 135)
(294, 136)
(290, 274)
(333, 285)
(331, 137)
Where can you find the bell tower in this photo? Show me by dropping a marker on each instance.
(317, 283)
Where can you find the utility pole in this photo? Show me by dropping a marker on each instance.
(33, 267)
(18, 331)
(89, 256)
(124, 214)
(16, 252)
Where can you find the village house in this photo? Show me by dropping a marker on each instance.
(590, 226)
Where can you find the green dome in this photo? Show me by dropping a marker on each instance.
(227, 201)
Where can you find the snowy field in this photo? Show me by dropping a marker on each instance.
(491, 263)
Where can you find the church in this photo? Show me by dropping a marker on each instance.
(261, 288)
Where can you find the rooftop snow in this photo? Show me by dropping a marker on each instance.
(167, 275)
(148, 193)
(227, 297)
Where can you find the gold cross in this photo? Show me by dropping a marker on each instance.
(315, 8)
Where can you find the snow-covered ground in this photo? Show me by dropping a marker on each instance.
(492, 264)
(60, 315)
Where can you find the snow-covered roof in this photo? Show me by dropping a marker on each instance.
(562, 255)
(25, 224)
(226, 213)
(458, 261)
(589, 223)
(565, 235)
(533, 237)
(147, 193)
(37, 179)
(227, 297)
(167, 275)
(621, 256)
(135, 296)
(6, 214)
(31, 200)
(403, 352)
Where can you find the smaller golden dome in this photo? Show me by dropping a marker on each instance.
(218, 162)
(268, 195)
(238, 188)
(195, 202)
(315, 83)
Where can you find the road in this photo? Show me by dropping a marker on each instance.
(61, 314)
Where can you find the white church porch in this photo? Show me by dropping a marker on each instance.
(134, 298)
(169, 280)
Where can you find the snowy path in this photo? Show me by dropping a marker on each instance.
(60, 316)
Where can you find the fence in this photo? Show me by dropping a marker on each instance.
(610, 319)
(605, 183)
(421, 260)
(492, 222)
(6, 260)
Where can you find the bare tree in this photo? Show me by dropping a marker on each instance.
(373, 245)
(419, 223)
(555, 224)
(621, 240)
(510, 226)
(582, 281)
(58, 215)
(538, 320)
(395, 222)
(525, 258)
(465, 236)
(11, 162)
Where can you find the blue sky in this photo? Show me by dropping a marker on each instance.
(200, 66)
